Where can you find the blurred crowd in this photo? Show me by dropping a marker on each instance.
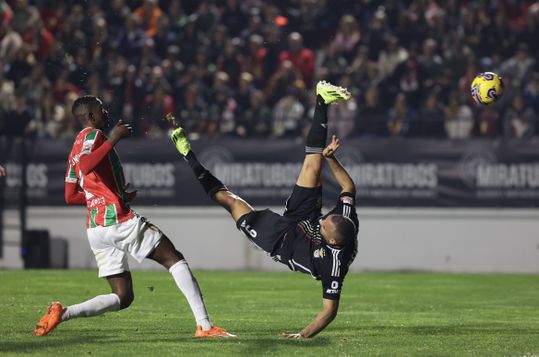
(247, 68)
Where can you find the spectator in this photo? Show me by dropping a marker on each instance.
(342, 119)
(222, 107)
(458, 118)
(117, 16)
(313, 21)
(156, 105)
(302, 59)
(519, 120)
(6, 13)
(7, 94)
(245, 88)
(431, 119)
(254, 61)
(287, 116)
(230, 61)
(219, 41)
(347, 37)
(280, 82)
(194, 113)
(400, 117)
(148, 58)
(531, 92)
(131, 39)
(520, 65)
(149, 14)
(164, 38)
(34, 87)
(10, 42)
(391, 57)
(361, 68)
(490, 123)
(38, 39)
(17, 118)
(256, 120)
(207, 17)
(233, 17)
(24, 16)
(371, 119)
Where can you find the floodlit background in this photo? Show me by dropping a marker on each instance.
(443, 184)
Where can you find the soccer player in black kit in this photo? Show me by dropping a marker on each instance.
(322, 246)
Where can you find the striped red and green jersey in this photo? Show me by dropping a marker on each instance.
(104, 186)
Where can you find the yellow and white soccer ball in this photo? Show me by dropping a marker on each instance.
(487, 87)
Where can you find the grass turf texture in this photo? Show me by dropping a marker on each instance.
(387, 314)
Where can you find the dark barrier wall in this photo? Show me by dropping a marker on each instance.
(387, 172)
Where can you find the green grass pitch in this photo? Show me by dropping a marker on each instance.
(381, 314)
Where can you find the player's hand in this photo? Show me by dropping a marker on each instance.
(2, 171)
(129, 195)
(294, 336)
(121, 130)
(332, 147)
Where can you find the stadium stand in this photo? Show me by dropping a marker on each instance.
(244, 68)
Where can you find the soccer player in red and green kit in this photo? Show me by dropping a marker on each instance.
(113, 229)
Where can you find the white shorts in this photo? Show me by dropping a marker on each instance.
(110, 244)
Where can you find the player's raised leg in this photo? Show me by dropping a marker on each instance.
(213, 186)
(326, 94)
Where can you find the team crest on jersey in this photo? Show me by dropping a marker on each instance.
(319, 253)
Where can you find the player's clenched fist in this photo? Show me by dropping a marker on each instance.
(121, 130)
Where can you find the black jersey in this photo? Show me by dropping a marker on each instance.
(294, 238)
(303, 249)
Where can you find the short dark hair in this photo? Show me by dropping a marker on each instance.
(345, 230)
(84, 103)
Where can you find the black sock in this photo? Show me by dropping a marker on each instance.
(316, 139)
(210, 183)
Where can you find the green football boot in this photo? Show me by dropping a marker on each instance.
(330, 93)
(180, 140)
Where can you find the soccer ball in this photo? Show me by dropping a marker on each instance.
(487, 87)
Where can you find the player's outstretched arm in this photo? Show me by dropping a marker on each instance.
(324, 318)
(340, 173)
(2, 171)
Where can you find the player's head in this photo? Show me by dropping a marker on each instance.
(337, 230)
(89, 111)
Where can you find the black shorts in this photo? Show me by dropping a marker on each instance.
(266, 228)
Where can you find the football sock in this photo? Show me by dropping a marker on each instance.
(188, 285)
(316, 139)
(92, 307)
(210, 183)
